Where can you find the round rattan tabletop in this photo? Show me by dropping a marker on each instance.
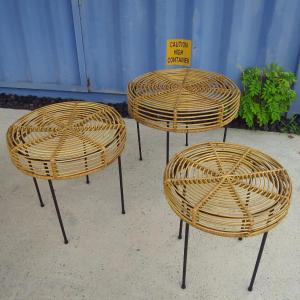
(183, 100)
(66, 140)
(227, 189)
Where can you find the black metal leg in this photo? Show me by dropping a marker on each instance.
(225, 133)
(168, 144)
(186, 139)
(121, 184)
(38, 192)
(139, 140)
(262, 245)
(180, 230)
(186, 241)
(86, 166)
(58, 212)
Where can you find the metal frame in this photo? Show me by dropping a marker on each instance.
(38, 192)
(121, 184)
(186, 241)
(167, 141)
(58, 212)
(185, 252)
(87, 181)
(261, 249)
(139, 139)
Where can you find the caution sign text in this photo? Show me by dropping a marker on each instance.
(179, 52)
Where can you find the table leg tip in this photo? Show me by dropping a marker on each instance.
(183, 286)
(250, 289)
(66, 242)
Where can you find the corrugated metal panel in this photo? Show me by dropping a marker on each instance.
(124, 38)
(295, 108)
(127, 38)
(38, 47)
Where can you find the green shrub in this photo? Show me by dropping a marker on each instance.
(267, 93)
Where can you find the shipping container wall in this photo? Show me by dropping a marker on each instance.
(94, 47)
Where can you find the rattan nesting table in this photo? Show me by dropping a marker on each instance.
(67, 140)
(227, 190)
(182, 100)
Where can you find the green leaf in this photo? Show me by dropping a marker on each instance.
(267, 93)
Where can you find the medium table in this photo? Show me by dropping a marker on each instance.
(228, 190)
(67, 140)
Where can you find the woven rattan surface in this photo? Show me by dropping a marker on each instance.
(227, 189)
(183, 100)
(66, 140)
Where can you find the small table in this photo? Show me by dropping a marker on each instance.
(67, 140)
(227, 190)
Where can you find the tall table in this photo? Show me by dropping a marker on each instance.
(67, 140)
(182, 100)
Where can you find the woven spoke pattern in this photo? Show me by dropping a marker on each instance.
(66, 140)
(183, 100)
(227, 189)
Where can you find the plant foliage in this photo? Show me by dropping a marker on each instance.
(267, 93)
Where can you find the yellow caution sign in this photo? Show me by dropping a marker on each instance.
(179, 52)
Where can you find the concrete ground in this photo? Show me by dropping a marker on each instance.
(137, 255)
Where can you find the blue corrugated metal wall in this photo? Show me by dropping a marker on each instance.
(37, 45)
(55, 45)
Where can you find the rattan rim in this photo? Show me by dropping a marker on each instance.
(227, 189)
(183, 100)
(66, 140)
